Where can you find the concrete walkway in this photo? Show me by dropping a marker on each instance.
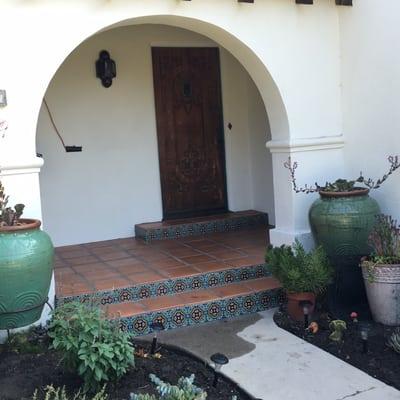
(272, 364)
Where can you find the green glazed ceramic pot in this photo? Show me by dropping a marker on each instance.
(26, 265)
(342, 221)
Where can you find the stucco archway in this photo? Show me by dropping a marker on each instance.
(101, 121)
(258, 71)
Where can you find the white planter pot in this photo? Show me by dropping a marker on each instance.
(382, 283)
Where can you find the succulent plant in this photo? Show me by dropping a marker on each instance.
(337, 327)
(394, 341)
(342, 185)
(9, 216)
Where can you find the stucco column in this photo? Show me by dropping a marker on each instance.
(319, 160)
(21, 182)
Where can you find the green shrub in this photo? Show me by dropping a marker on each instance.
(91, 345)
(298, 270)
(52, 393)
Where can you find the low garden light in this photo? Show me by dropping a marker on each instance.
(156, 327)
(219, 360)
(306, 306)
(364, 329)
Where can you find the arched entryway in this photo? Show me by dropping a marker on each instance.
(114, 183)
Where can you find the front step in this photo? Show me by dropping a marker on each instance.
(197, 307)
(228, 222)
(170, 287)
(180, 282)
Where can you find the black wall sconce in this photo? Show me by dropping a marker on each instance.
(105, 69)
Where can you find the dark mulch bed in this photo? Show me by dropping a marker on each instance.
(22, 373)
(380, 361)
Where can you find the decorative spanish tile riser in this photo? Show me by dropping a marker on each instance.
(201, 228)
(204, 312)
(172, 286)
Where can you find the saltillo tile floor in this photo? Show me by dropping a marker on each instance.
(178, 282)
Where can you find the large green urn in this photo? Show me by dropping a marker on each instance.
(341, 222)
(26, 265)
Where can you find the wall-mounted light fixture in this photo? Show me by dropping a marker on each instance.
(3, 98)
(106, 69)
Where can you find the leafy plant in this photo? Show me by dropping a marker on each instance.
(298, 270)
(52, 393)
(384, 240)
(342, 185)
(91, 345)
(394, 341)
(9, 216)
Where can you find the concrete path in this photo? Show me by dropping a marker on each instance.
(272, 364)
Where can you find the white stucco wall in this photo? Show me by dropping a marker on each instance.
(114, 183)
(370, 33)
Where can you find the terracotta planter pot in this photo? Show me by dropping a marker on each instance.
(293, 306)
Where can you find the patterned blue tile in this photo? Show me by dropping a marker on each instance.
(204, 312)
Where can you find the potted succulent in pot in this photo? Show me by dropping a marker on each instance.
(381, 271)
(302, 274)
(26, 263)
(341, 220)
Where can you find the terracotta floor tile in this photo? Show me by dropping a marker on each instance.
(199, 242)
(74, 253)
(104, 250)
(82, 260)
(133, 269)
(114, 255)
(100, 274)
(130, 261)
(111, 283)
(127, 309)
(185, 252)
(197, 259)
(66, 271)
(90, 267)
(199, 296)
(231, 290)
(60, 264)
(154, 257)
(124, 262)
(166, 264)
(181, 271)
(240, 262)
(227, 254)
(163, 302)
(210, 266)
(145, 277)
(263, 284)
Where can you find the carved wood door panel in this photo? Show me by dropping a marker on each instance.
(191, 147)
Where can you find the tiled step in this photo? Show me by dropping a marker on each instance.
(197, 307)
(161, 288)
(174, 229)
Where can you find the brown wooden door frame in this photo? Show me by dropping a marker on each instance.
(220, 183)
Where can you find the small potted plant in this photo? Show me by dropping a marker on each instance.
(26, 264)
(381, 271)
(302, 274)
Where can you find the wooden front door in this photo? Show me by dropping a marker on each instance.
(190, 133)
